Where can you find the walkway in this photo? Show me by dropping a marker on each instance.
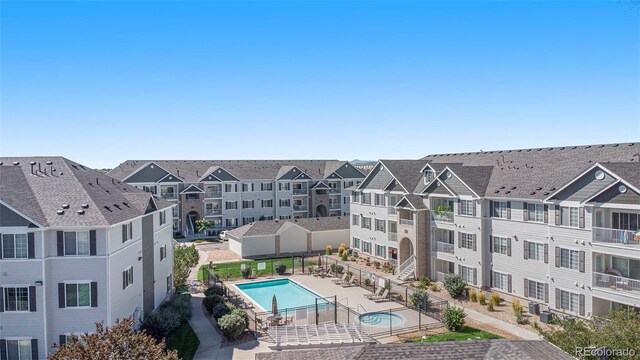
(502, 325)
(210, 340)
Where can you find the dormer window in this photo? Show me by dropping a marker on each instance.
(428, 175)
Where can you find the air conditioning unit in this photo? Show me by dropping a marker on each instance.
(534, 308)
(546, 316)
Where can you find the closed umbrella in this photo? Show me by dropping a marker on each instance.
(319, 259)
(274, 305)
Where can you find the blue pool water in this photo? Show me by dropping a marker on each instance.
(288, 293)
(381, 319)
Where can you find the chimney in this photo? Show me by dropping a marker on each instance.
(97, 182)
(178, 171)
(39, 168)
(32, 163)
(197, 173)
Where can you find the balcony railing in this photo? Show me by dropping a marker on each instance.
(300, 191)
(393, 262)
(438, 246)
(300, 208)
(335, 190)
(616, 236)
(213, 194)
(393, 236)
(334, 205)
(169, 195)
(440, 276)
(446, 216)
(213, 212)
(392, 210)
(408, 222)
(617, 283)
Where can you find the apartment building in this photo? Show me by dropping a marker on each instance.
(232, 193)
(557, 226)
(77, 247)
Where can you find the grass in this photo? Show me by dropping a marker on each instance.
(185, 340)
(467, 333)
(232, 270)
(209, 240)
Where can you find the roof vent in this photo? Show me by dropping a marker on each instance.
(60, 212)
(507, 192)
(80, 212)
(501, 187)
(1, 163)
(538, 189)
(16, 163)
(532, 193)
(32, 163)
(108, 209)
(546, 193)
(513, 187)
(553, 189)
(125, 203)
(65, 206)
(85, 206)
(497, 191)
(49, 162)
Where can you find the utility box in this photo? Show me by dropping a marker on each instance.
(546, 317)
(534, 308)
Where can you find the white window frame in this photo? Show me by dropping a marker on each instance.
(77, 238)
(356, 243)
(366, 247)
(380, 225)
(467, 274)
(366, 222)
(379, 199)
(500, 245)
(499, 209)
(466, 240)
(129, 278)
(569, 259)
(234, 207)
(268, 202)
(537, 210)
(535, 249)
(6, 298)
(500, 281)
(355, 219)
(381, 249)
(77, 284)
(21, 355)
(247, 204)
(538, 290)
(466, 207)
(569, 301)
(163, 252)
(14, 240)
(285, 203)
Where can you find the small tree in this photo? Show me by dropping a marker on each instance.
(418, 298)
(281, 268)
(232, 325)
(454, 285)
(454, 318)
(202, 225)
(120, 341)
(184, 258)
(328, 250)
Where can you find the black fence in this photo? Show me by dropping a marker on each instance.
(256, 268)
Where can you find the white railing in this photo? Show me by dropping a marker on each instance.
(408, 222)
(213, 212)
(393, 262)
(213, 194)
(393, 236)
(411, 260)
(617, 283)
(392, 210)
(300, 191)
(438, 246)
(335, 205)
(168, 195)
(446, 216)
(616, 236)
(300, 207)
(335, 190)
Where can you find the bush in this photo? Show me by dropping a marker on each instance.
(328, 250)
(473, 296)
(221, 310)
(423, 282)
(454, 285)
(490, 306)
(495, 298)
(179, 304)
(246, 272)
(241, 313)
(367, 282)
(232, 325)
(341, 250)
(454, 318)
(434, 287)
(521, 319)
(516, 306)
(482, 297)
(337, 268)
(418, 298)
(210, 302)
(345, 256)
(214, 290)
(168, 317)
(281, 268)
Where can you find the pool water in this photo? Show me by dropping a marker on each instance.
(288, 293)
(381, 319)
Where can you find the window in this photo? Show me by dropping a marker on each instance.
(266, 186)
(379, 199)
(535, 251)
(127, 277)
(500, 245)
(466, 207)
(535, 212)
(174, 211)
(569, 216)
(247, 187)
(16, 299)
(247, 204)
(380, 225)
(15, 246)
(366, 222)
(231, 205)
(466, 240)
(381, 251)
(536, 290)
(19, 349)
(285, 202)
(569, 301)
(366, 198)
(285, 217)
(248, 220)
(268, 217)
(192, 196)
(231, 222)
(356, 243)
(169, 282)
(466, 273)
(78, 295)
(230, 187)
(501, 281)
(499, 209)
(355, 196)
(163, 217)
(569, 259)
(428, 176)
(163, 252)
(150, 189)
(284, 186)
(356, 219)
(76, 243)
(625, 221)
(366, 247)
(267, 203)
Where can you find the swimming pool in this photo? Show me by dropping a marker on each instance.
(288, 293)
(381, 319)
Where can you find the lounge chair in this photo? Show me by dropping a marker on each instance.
(328, 273)
(341, 280)
(377, 293)
(351, 282)
(383, 297)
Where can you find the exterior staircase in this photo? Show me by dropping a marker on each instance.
(407, 270)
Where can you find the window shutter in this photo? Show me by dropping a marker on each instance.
(34, 349)
(546, 214)
(124, 280)
(130, 232)
(546, 293)
(510, 283)
(475, 276)
(546, 253)
(557, 256)
(490, 278)
(459, 239)
(61, 300)
(473, 205)
(92, 242)
(3, 350)
(581, 217)
(474, 242)
(32, 298)
(557, 298)
(490, 208)
(526, 287)
(63, 340)
(124, 233)
(460, 270)
(94, 294)
(525, 213)
(581, 264)
(490, 243)
(581, 305)
(459, 204)
(557, 214)
(60, 236)
(525, 245)
(0, 246)
(1, 299)
(508, 246)
(31, 250)
(508, 209)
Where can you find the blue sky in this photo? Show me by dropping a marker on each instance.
(102, 82)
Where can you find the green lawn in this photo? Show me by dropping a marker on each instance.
(232, 270)
(467, 333)
(209, 240)
(184, 340)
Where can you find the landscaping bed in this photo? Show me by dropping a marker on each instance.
(184, 340)
(233, 269)
(467, 333)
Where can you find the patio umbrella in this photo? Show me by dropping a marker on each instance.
(319, 259)
(274, 305)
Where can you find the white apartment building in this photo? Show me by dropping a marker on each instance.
(557, 226)
(77, 247)
(232, 193)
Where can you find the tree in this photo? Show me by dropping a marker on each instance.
(454, 285)
(120, 341)
(184, 258)
(202, 224)
(454, 318)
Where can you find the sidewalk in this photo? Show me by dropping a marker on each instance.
(210, 340)
(502, 325)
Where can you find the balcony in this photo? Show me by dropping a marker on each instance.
(300, 208)
(616, 236)
(393, 236)
(407, 222)
(444, 216)
(213, 194)
(392, 210)
(212, 212)
(335, 206)
(335, 191)
(616, 283)
(442, 247)
(168, 195)
(300, 191)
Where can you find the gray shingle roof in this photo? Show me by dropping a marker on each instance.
(40, 196)
(406, 172)
(629, 171)
(271, 227)
(470, 349)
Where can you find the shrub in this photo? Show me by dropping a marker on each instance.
(246, 272)
(310, 269)
(434, 287)
(241, 313)
(214, 290)
(181, 305)
(328, 250)
(521, 319)
(210, 302)
(281, 268)
(341, 250)
(516, 306)
(159, 324)
(482, 297)
(454, 285)
(423, 282)
(367, 282)
(232, 325)
(337, 268)
(473, 297)
(418, 298)
(343, 245)
(345, 256)
(490, 306)
(495, 298)
(221, 310)
(454, 318)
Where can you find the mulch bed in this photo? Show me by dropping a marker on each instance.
(246, 336)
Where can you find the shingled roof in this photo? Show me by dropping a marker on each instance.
(40, 190)
(272, 227)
